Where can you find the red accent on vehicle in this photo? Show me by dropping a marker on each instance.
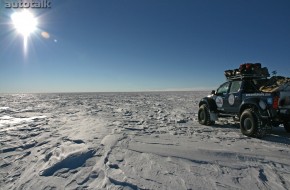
(276, 102)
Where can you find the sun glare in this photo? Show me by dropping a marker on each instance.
(24, 22)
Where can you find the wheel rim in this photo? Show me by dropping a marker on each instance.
(248, 125)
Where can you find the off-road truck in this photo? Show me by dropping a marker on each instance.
(250, 97)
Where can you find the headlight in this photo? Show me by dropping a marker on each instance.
(262, 105)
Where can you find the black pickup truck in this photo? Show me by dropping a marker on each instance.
(241, 98)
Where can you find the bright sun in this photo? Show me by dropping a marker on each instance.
(24, 22)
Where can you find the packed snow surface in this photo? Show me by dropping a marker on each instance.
(131, 141)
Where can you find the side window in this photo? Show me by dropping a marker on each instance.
(223, 89)
(235, 86)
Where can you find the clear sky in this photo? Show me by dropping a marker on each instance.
(140, 45)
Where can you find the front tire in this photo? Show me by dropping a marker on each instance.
(251, 124)
(204, 115)
(287, 126)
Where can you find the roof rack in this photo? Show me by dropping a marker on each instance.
(247, 76)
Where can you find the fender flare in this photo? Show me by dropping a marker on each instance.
(209, 102)
(250, 102)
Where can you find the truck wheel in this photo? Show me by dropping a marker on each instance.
(250, 124)
(204, 116)
(287, 126)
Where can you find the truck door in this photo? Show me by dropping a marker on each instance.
(233, 99)
(221, 96)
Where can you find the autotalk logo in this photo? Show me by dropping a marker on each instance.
(27, 4)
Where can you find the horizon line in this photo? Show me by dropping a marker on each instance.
(83, 92)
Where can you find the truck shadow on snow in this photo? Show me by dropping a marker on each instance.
(276, 135)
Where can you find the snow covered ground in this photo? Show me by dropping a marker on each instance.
(131, 141)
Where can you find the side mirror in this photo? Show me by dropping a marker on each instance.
(213, 92)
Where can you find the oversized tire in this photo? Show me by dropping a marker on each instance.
(287, 126)
(251, 125)
(204, 115)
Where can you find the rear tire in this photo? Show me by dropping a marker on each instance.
(251, 124)
(287, 126)
(204, 115)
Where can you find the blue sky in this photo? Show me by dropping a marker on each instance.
(140, 45)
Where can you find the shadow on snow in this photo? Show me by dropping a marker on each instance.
(276, 135)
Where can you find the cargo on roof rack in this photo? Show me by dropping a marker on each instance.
(247, 70)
